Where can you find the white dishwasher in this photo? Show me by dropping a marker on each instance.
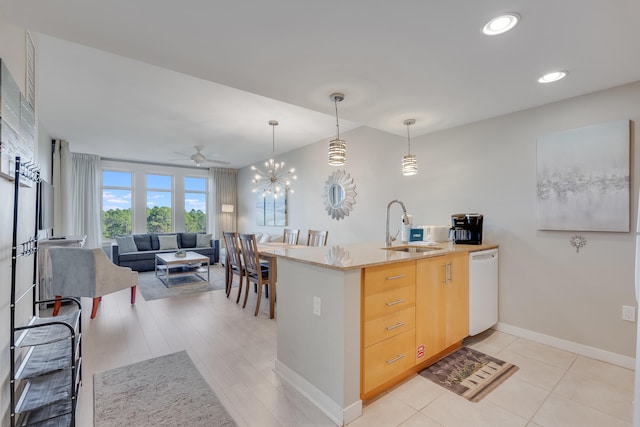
(483, 290)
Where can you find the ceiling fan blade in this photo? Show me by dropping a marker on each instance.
(219, 162)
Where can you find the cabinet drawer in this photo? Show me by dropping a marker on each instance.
(386, 277)
(383, 303)
(388, 326)
(385, 360)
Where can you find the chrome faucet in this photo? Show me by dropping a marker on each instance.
(388, 238)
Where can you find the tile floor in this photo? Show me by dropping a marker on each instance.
(235, 353)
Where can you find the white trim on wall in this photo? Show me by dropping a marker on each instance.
(573, 347)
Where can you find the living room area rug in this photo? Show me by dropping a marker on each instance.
(152, 288)
(469, 373)
(164, 391)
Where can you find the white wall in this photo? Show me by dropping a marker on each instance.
(487, 167)
(12, 52)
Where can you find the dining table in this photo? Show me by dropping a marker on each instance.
(269, 252)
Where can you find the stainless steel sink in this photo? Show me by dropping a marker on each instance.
(413, 249)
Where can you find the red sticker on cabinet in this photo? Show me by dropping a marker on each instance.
(420, 351)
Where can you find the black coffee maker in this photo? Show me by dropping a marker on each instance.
(466, 228)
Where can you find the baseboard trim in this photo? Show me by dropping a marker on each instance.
(574, 347)
(340, 416)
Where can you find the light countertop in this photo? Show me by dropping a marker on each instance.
(360, 255)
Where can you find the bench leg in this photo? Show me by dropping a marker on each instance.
(57, 305)
(94, 309)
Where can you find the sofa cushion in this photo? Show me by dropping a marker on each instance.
(187, 240)
(155, 243)
(169, 241)
(126, 244)
(203, 240)
(143, 242)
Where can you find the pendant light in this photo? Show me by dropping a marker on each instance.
(273, 180)
(409, 162)
(337, 147)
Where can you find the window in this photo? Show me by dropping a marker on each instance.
(159, 206)
(148, 198)
(117, 215)
(195, 204)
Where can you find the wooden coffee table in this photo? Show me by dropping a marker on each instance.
(169, 266)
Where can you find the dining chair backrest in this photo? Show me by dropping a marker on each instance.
(257, 273)
(291, 236)
(233, 249)
(317, 237)
(250, 256)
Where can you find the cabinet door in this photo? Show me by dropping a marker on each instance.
(442, 303)
(457, 299)
(430, 296)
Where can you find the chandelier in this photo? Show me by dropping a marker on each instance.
(409, 162)
(274, 179)
(337, 147)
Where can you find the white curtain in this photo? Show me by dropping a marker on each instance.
(225, 192)
(85, 198)
(61, 188)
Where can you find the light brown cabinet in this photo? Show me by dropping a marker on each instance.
(442, 303)
(411, 312)
(388, 323)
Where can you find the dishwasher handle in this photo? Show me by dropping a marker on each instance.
(483, 255)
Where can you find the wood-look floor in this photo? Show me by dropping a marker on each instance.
(235, 352)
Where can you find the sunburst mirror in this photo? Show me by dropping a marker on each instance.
(339, 194)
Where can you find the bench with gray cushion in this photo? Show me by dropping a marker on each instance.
(138, 251)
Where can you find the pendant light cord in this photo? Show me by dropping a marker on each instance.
(335, 101)
(409, 139)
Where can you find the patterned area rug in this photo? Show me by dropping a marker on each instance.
(469, 373)
(165, 391)
(152, 288)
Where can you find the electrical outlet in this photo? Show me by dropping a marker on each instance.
(628, 313)
(317, 306)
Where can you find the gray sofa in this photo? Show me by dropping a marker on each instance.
(140, 254)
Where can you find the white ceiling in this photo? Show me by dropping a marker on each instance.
(145, 79)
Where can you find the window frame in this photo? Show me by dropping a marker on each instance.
(205, 192)
(139, 170)
(110, 187)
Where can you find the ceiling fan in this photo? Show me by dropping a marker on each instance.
(199, 159)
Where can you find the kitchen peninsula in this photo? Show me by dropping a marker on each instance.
(354, 320)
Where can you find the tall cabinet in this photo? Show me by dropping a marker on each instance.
(442, 303)
(45, 351)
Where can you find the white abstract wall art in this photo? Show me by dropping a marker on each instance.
(271, 210)
(583, 178)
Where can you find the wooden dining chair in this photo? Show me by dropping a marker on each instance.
(233, 264)
(256, 272)
(291, 236)
(317, 237)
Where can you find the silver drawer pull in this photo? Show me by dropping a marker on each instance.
(399, 276)
(397, 325)
(398, 301)
(395, 359)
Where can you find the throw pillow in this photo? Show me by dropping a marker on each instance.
(126, 244)
(203, 241)
(169, 241)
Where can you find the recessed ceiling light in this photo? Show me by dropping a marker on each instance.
(552, 77)
(501, 24)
